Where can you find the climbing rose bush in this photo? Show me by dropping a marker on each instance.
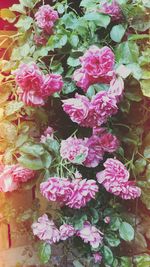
(74, 128)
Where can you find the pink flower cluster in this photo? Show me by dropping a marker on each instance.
(74, 194)
(115, 180)
(34, 85)
(45, 17)
(111, 8)
(47, 231)
(91, 113)
(11, 176)
(88, 151)
(97, 257)
(48, 133)
(97, 66)
(90, 234)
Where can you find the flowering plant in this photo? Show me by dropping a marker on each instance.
(73, 116)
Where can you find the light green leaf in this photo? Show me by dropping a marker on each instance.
(117, 33)
(13, 107)
(18, 8)
(107, 255)
(126, 231)
(127, 52)
(76, 263)
(74, 40)
(30, 162)
(44, 253)
(24, 23)
(145, 87)
(73, 62)
(99, 19)
(32, 149)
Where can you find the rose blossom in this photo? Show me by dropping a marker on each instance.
(7, 183)
(46, 230)
(21, 174)
(116, 88)
(111, 8)
(107, 219)
(34, 85)
(95, 152)
(40, 39)
(48, 133)
(90, 234)
(52, 83)
(109, 142)
(73, 149)
(45, 18)
(66, 231)
(97, 257)
(97, 67)
(56, 189)
(115, 180)
(104, 106)
(82, 192)
(12, 175)
(74, 194)
(77, 108)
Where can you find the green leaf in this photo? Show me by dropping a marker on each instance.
(117, 33)
(147, 152)
(13, 107)
(73, 62)
(115, 223)
(68, 88)
(46, 159)
(74, 40)
(60, 8)
(112, 239)
(107, 255)
(18, 8)
(95, 215)
(7, 14)
(126, 231)
(27, 3)
(44, 253)
(127, 52)
(89, 3)
(24, 23)
(30, 162)
(100, 20)
(32, 149)
(76, 263)
(145, 87)
(136, 71)
(126, 262)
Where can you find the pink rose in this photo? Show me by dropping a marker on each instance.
(77, 108)
(115, 180)
(97, 66)
(97, 257)
(34, 86)
(109, 142)
(30, 80)
(21, 174)
(111, 8)
(104, 106)
(52, 83)
(48, 133)
(82, 192)
(40, 39)
(97, 62)
(74, 194)
(90, 234)
(107, 219)
(7, 183)
(116, 88)
(46, 230)
(82, 79)
(73, 149)
(13, 175)
(56, 189)
(66, 231)
(45, 17)
(95, 152)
